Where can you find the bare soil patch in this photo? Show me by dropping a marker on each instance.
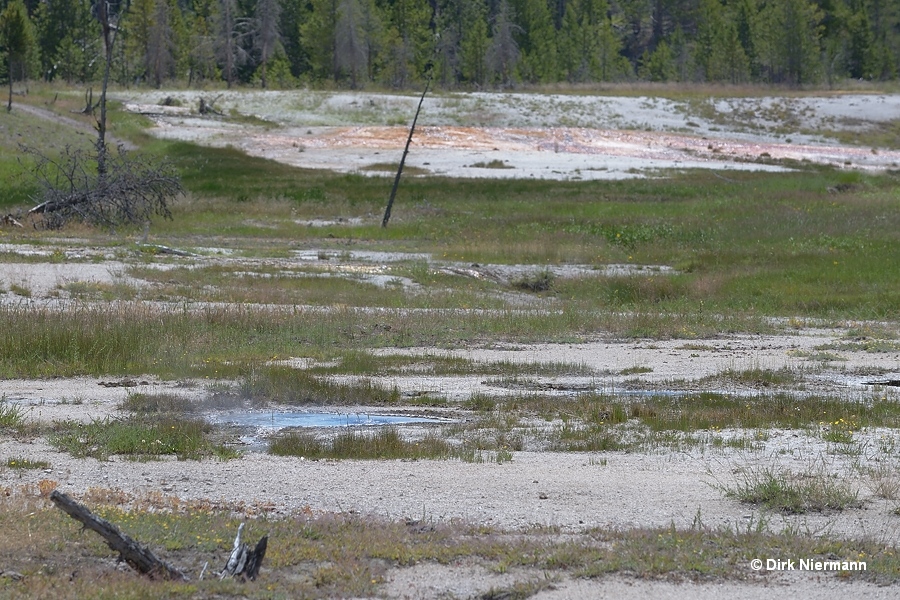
(535, 136)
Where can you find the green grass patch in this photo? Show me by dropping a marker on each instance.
(355, 362)
(492, 164)
(383, 443)
(222, 342)
(156, 404)
(25, 464)
(784, 491)
(756, 378)
(597, 423)
(286, 385)
(536, 282)
(139, 438)
(387, 167)
(12, 416)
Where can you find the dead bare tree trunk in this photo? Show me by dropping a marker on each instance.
(130, 551)
(412, 129)
(244, 563)
(88, 101)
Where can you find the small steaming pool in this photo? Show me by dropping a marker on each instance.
(281, 419)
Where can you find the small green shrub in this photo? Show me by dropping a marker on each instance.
(492, 164)
(536, 282)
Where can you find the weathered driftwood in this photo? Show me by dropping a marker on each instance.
(130, 551)
(209, 108)
(10, 220)
(244, 563)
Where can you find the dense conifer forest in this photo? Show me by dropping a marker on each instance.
(462, 44)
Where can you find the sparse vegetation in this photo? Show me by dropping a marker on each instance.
(11, 415)
(156, 404)
(345, 555)
(492, 164)
(765, 253)
(384, 443)
(779, 489)
(24, 464)
(537, 282)
(139, 438)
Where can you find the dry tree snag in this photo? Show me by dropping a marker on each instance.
(244, 563)
(130, 551)
(131, 190)
(412, 129)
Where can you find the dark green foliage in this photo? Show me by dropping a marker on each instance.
(358, 42)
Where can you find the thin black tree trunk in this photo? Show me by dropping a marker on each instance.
(412, 129)
(109, 38)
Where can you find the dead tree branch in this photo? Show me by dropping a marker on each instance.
(132, 189)
(10, 220)
(209, 108)
(130, 551)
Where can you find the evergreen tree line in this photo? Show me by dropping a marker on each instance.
(461, 43)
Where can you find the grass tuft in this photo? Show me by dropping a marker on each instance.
(139, 438)
(21, 463)
(536, 282)
(11, 415)
(286, 385)
(154, 404)
(384, 443)
(784, 491)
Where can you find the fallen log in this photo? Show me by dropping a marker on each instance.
(138, 557)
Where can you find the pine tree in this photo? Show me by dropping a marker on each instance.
(884, 16)
(408, 40)
(350, 51)
(659, 65)
(503, 53)
(473, 44)
(719, 54)
(789, 35)
(201, 57)
(448, 19)
(317, 35)
(589, 45)
(160, 56)
(266, 34)
(18, 42)
(536, 41)
(231, 31)
(860, 60)
(135, 46)
(69, 40)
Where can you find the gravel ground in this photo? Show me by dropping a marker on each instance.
(571, 491)
(530, 136)
(558, 137)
